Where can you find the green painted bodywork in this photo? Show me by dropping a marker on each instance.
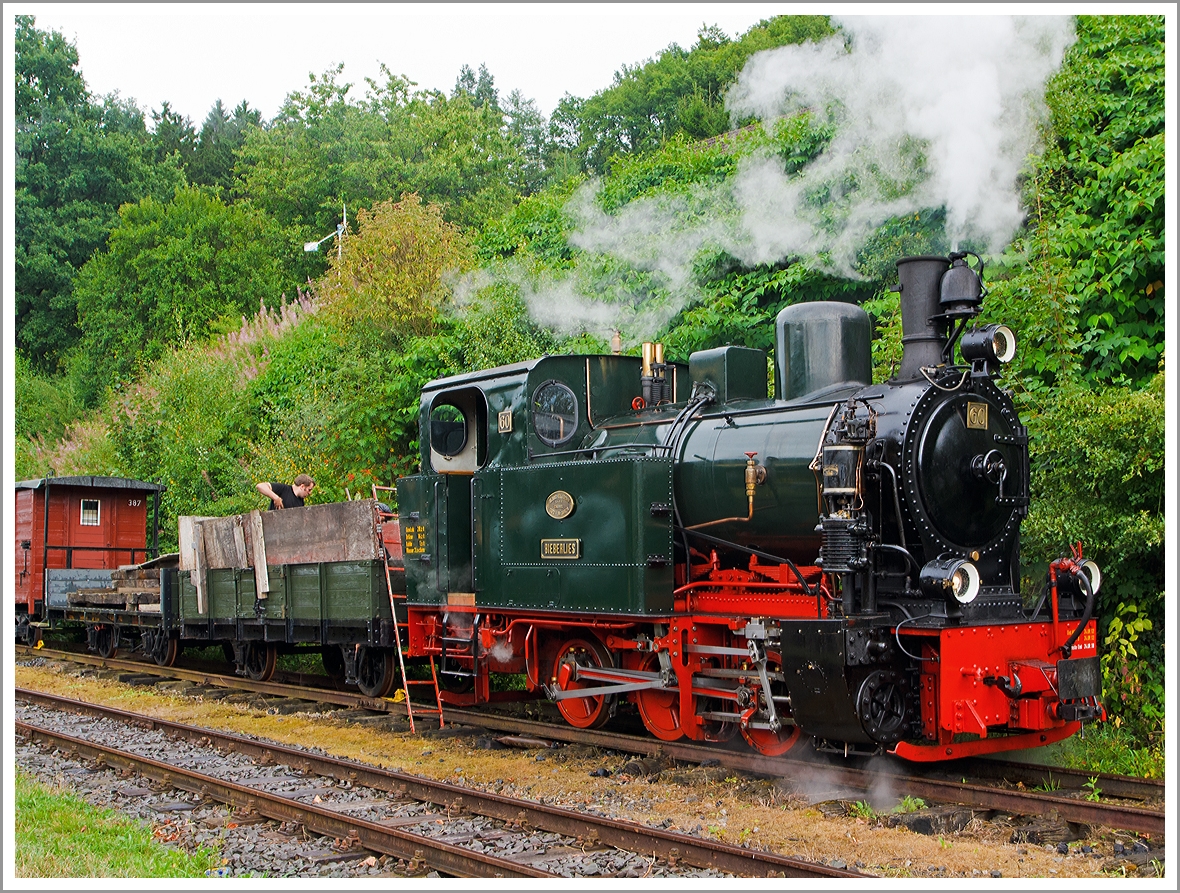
(711, 465)
(481, 532)
(346, 593)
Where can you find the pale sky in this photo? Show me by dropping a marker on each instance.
(193, 54)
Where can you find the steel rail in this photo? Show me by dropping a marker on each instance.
(1129, 818)
(202, 677)
(444, 857)
(612, 832)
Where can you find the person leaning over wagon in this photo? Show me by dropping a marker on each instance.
(283, 496)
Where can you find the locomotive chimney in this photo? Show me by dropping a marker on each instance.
(922, 339)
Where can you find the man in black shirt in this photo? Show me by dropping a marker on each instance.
(282, 496)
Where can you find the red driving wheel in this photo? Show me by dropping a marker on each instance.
(659, 708)
(582, 713)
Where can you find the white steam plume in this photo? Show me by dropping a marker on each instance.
(967, 88)
(929, 112)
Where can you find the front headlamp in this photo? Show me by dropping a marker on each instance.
(994, 343)
(954, 577)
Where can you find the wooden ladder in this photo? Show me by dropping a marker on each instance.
(437, 710)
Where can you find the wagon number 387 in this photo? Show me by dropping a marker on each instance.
(134, 502)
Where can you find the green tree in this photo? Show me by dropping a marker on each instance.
(324, 149)
(219, 143)
(389, 277)
(77, 161)
(173, 273)
(173, 133)
(527, 129)
(480, 90)
(679, 91)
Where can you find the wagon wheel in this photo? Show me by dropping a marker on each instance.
(582, 713)
(333, 661)
(375, 671)
(768, 741)
(259, 661)
(227, 649)
(165, 648)
(660, 708)
(105, 640)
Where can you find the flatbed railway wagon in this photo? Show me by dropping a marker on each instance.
(323, 578)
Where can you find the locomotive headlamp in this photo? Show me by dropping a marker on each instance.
(993, 344)
(1072, 570)
(954, 577)
(1093, 574)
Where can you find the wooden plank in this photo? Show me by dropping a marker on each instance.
(97, 598)
(240, 543)
(258, 544)
(128, 574)
(186, 525)
(198, 573)
(338, 531)
(221, 547)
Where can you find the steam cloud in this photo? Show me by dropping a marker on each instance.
(929, 112)
(969, 89)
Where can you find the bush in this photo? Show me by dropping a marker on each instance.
(1098, 478)
(390, 274)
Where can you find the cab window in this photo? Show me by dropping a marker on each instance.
(456, 431)
(555, 413)
(448, 430)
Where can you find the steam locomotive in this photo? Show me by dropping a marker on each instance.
(839, 560)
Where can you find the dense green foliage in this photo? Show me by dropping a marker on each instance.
(171, 274)
(324, 149)
(679, 92)
(1085, 279)
(207, 157)
(77, 161)
(466, 212)
(1103, 486)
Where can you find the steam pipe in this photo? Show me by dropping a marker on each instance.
(751, 483)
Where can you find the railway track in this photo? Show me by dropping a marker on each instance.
(1013, 794)
(577, 829)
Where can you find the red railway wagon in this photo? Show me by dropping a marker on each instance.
(69, 526)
